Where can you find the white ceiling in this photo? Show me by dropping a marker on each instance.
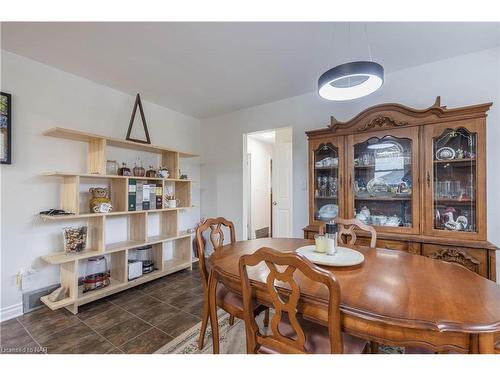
(206, 69)
(267, 136)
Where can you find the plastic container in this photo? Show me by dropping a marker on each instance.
(97, 274)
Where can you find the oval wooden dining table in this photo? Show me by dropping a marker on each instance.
(393, 297)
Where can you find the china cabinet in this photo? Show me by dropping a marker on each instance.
(417, 176)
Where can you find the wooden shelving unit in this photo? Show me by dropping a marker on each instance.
(138, 222)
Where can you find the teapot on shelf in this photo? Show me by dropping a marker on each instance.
(163, 172)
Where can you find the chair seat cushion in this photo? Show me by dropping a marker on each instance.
(317, 338)
(227, 297)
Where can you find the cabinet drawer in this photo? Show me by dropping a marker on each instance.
(385, 244)
(473, 259)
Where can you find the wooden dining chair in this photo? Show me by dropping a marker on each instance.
(347, 231)
(289, 332)
(226, 299)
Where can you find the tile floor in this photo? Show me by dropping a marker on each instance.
(139, 320)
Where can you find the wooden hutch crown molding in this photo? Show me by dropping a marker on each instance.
(418, 232)
(394, 115)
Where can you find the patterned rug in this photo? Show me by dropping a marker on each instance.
(231, 339)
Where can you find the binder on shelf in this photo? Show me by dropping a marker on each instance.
(132, 192)
(159, 195)
(139, 193)
(152, 196)
(145, 197)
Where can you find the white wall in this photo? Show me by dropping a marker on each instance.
(44, 97)
(463, 80)
(260, 189)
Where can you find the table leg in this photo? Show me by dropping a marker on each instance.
(212, 303)
(486, 343)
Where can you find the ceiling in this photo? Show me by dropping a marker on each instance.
(207, 69)
(267, 136)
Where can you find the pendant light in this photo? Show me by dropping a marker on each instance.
(351, 80)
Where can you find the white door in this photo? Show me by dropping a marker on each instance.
(282, 189)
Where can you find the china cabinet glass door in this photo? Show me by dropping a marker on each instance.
(453, 172)
(384, 180)
(326, 180)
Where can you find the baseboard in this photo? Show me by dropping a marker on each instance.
(10, 312)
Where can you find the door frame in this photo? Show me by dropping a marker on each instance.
(246, 209)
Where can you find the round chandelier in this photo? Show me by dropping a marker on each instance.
(351, 80)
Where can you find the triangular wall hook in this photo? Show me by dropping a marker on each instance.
(138, 103)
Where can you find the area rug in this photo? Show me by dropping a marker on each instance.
(231, 339)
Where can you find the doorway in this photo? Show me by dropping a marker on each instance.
(267, 185)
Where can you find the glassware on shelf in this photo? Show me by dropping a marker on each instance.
(97, 274)
(111, 167)
(326, 163)
(454, 177)
(124, 170)
(383, 181)
(75, 239)
(139, 170)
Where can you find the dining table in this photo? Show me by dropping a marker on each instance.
(393, 297)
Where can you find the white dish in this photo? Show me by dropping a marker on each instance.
(328, 211)
(345, 257)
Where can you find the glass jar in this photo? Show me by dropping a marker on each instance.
(97, 274)
(111, 167)
(75, 239)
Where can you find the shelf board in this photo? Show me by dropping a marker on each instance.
(326, 197)
(62, 257)
(452, 161)
(76, 135)
(107, 176)
(382, 198)
(326, 168)
(115, 213)
(58, 304)
(99, 293)
(169, 266)
(454, 201)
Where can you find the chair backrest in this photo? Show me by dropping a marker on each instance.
(216, 238)
(347, 229)
(285, 301)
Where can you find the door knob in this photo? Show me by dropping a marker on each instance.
(275, 203)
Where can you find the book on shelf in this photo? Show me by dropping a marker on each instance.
(132, 185)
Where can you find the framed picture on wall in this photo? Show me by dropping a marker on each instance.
(5, 128)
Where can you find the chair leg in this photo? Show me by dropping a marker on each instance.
(266, 318)
(373, 347)
(212, 304)
(204, 322)
(231, 320)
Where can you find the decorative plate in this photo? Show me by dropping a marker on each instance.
(377, 186)
(445, 153)
(328, 211)
(345, 257)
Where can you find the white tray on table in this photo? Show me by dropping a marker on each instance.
(345, 257)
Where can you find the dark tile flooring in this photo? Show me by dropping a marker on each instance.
(139, 320)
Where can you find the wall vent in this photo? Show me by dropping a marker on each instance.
(31, 299)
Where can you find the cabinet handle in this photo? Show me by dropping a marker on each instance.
(340, 182)
(350, 180)
(428, 179)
